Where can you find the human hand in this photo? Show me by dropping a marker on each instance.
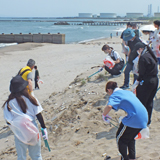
(134, 86)
(45, 136)
(106, 118)
(100, 69)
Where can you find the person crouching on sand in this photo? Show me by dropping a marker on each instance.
(131, 124)
(119, 62)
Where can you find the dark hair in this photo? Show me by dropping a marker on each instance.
(129, 24)
(134, 24)
(35, 67)
(111, 85)
(156, 22)
(20, 100)
(152, 54)
(105, 47)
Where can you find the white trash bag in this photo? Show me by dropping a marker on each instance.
(108, 61)
(25, 130)
(143, 134)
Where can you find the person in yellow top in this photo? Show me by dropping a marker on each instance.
(26, 74)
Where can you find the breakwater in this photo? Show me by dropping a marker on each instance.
(39, 38)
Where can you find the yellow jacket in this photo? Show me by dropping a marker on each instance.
(25, 74)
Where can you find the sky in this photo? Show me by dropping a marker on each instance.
(71, 8)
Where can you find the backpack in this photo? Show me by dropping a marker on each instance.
(24, 129)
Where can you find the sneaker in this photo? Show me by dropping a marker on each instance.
(114, 76)
(124, 87)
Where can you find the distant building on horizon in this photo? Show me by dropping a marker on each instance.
(85, 15)
(149, 10)
(134, 15)
(157, 14)
(108, 15)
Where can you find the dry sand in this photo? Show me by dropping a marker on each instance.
(72, 105)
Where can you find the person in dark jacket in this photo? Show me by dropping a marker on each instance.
(147, 81)
(129, 35)
(36, 77)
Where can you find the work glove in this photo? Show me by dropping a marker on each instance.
(46, 134)
(134, 86)
(100, 69)
(106, 118)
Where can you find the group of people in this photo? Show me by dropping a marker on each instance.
(138, 107)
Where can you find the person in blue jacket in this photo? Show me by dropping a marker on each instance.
(135, 120)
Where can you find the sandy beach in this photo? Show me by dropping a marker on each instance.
(72, 105)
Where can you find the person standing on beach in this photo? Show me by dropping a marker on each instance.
(129, 35)
(119, 62)
(138, 33)
(36, 78)
(125, 48)
(147, 80)
(21, 103)
(131, 124)
(156, 41)
(26, 74)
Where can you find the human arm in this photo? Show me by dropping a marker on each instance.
(30, 85)
(41, 121)
(141, 69)
(107, 110)
(117, 61)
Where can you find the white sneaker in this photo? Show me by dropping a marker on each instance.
(114, 76)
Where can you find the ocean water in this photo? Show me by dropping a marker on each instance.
(73, 33)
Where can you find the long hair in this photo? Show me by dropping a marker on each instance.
(105, 47)
(20, 100)
(151, 53)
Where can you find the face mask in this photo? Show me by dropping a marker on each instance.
(129, 27)
(138, 52)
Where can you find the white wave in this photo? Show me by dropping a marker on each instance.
(88, 40)
(7, 44)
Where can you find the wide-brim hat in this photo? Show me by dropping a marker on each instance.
(128, 34)
(17, 84)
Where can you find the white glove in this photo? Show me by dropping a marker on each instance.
(134, 86)
(46, 134)
(106, 118)
(100, 69)
(32, 93)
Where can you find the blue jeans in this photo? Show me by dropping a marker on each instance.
(34, 151)
(127, 71)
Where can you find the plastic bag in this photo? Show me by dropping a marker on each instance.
(25, 130)
(40, 81)
(135, 66)
(108, 61)
(143, 134)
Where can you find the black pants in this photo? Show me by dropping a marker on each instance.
(146, 93)
(125, 141)
(36, 84)
(116, 69)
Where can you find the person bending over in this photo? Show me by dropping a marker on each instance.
(119, 62)
(131, 124)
